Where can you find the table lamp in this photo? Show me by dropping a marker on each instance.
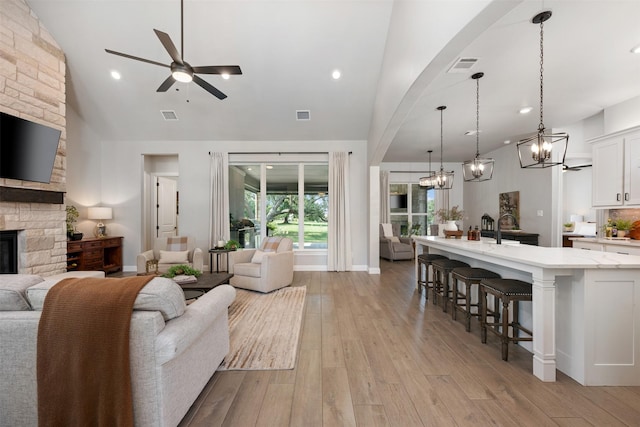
(100, 213)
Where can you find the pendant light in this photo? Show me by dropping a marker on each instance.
(442, 180)
(478, 169)
(535, 151)
(428, 181)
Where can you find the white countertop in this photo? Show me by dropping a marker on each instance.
(538, 256)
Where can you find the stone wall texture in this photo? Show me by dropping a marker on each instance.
(32, 86)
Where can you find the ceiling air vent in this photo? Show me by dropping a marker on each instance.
(303, 115)
(462, 65)
(169, 115)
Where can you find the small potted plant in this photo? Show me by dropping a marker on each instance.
(623, 226)
(449, 217)
(568, 226)
(72, 217)
(231, 245)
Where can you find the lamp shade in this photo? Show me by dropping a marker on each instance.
(100, 213)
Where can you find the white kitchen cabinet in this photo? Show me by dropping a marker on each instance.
(616, 169)
(591, 246)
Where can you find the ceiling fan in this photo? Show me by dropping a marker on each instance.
(181, 70)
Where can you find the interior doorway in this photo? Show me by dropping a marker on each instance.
(161, 198)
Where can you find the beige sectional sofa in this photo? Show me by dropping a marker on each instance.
(174, 348)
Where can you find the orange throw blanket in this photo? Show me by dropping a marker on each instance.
(83, 367)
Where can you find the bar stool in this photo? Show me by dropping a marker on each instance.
(426, 260)
(507, 290)
(462, 301)
(441, 270)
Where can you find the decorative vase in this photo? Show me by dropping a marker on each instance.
(451, 226)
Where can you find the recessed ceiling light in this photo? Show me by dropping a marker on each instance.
(336, 74)
(525, 110)
(116, 75)
(636, 49)
(269, 167)
(508, 141)
(225, 76)
(472, 132)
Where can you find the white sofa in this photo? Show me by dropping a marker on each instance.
(174, 348)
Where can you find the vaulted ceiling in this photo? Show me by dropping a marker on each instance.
(288, 49)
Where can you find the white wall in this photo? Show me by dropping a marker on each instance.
(114, 177)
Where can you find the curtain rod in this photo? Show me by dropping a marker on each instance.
(282, 152)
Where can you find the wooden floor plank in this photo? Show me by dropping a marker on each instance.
(276, 407)
(371, 416)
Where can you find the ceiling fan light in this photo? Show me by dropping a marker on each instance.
(225, 76)
(182, 76)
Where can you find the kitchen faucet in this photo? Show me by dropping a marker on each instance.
(499, 233)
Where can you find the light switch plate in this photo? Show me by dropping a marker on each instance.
(540, 213)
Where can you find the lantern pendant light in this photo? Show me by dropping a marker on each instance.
(442, 180)
(535, 151)
(478, 169)
(428, 181)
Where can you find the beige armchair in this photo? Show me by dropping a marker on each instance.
(170, 251)
(392, 246)
(265, 269)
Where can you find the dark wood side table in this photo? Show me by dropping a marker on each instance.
(218, 252)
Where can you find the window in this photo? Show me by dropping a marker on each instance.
(417, 211)
(290, 191)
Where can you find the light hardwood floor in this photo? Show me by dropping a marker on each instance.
(373, 353)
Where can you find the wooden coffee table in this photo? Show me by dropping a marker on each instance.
(206, 282)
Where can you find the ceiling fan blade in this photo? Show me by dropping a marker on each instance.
(113, 52)
(218, 69)
(206, 86)
(166, 84)
(169, 46)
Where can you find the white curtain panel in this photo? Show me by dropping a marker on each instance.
(385, 214)
(219, 218)
(339, 245)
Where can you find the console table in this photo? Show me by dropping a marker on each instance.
(103, 254)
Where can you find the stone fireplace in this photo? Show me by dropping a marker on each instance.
(32, 86)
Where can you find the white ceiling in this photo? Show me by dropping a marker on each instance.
(288, 49)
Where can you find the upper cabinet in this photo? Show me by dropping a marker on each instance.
(616, 169)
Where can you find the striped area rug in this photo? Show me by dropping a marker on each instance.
(264, 329)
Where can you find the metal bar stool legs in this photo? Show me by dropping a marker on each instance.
(425, 260)
(507, 290)
(462, 301)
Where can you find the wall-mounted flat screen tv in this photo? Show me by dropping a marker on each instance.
(27, 149)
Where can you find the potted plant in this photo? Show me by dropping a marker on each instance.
(623, 226)
(72, 217)
(232, 245)
(449, 217)
(568, 226)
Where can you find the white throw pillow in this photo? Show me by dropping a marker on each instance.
(387, 230)
(174, 257)
(394, 239)
(257, 257)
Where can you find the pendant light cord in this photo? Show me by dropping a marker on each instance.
(541, 126)
(477, 118)
(441, 144)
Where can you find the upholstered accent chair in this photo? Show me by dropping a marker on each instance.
(170, 251)
(265, 269)
(392, 246)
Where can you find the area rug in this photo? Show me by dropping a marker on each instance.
(264, 329)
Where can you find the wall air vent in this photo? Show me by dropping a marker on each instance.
(169, 115)
(303, 115)
(462, 65)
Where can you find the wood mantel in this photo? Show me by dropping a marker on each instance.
(28, 195)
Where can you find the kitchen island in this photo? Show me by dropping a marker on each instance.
(585, 312)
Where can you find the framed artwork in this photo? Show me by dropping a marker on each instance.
(509, 203)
